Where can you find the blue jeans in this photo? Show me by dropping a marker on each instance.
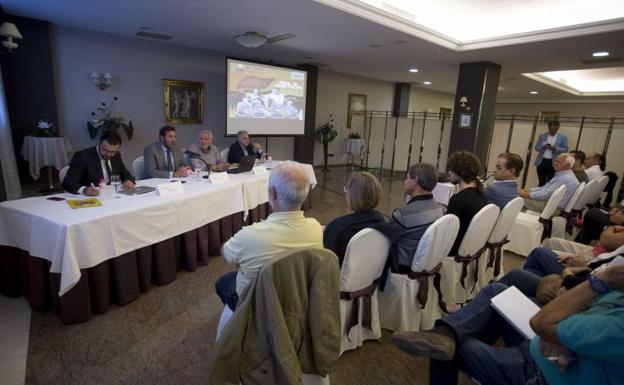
(226, 289)
(477, 326)
(542, 261)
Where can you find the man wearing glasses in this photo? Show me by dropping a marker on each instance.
(89, 166)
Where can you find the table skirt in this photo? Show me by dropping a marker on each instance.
(118, 280)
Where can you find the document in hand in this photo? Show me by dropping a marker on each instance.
(517, 309)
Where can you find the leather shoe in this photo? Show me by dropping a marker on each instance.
(426, 343)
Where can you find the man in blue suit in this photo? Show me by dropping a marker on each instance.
(549, 146)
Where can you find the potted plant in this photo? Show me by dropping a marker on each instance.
(105, 119)
(325, 134)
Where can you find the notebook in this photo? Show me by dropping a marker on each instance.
(137, 190)
(517, 309)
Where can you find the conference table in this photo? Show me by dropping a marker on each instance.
(80, 261)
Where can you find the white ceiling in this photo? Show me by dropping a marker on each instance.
(328, 36)
(589, 82)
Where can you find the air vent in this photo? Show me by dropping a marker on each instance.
(602, 60)
(152, 35)
(316, 64)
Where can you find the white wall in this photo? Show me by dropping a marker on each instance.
(422, 99)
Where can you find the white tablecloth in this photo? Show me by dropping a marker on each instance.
(41, 151)
(353, 148)
(74, 239)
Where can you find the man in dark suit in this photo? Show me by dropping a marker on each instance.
(242, 147)
(90, 165)
(163, 159)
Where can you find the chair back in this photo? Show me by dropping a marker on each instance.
(364, 260)
(602, 183)
(436, 243)
(62, 173)
(479, 230)
(590, 189)
(553, 202)
(224, 154)
(138, 167)
(575, 197)
(506, 220)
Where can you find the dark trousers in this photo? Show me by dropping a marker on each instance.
(477, 326)
(593, 222)
(545, 171)
(542, 262)
(226, 289)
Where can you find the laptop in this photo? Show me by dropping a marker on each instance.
(246, 164)
(137, 190)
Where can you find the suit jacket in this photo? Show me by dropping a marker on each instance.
(156, 163)
(559, 147)
(287, 323)
(85, 168)
(236, 152)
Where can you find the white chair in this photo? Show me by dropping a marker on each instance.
(410, 301)
(499, 237)
(363, 264)
(602, 183)
(529, 230)
(460, 273)
(563, 223)
(138, 167)
(224, 154)
(63, 173)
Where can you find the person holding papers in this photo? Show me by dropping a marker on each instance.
(87, 167)
(243, 147)
(163, 159)
(579, 338)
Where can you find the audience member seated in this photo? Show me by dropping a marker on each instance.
(595, 221)
(208, 152)
(363, 192)
(505, 186)
(410, 222)
(586, 323)
(464, 169)
(595, 164)
(557, 254)
(163, 159)
(87, 167)
(578, 169)
(536, 198)
(286, 228)
(242, 147)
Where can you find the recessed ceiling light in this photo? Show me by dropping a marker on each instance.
(427, 83)
(374, 45)
(600, 54)
(399, 42)
(413, 70)
(533, 92)
(307, 57)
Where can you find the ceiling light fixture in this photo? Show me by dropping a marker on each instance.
(413, 70)
(427, 83)
(533, 92)
(600, 54)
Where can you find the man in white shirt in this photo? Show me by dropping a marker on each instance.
(285, 229)
(595, 164)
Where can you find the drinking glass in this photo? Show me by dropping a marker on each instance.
(115, 181)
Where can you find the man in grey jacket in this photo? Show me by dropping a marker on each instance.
(163, 159)
(410, 222)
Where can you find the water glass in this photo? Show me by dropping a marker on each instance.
(115, 181)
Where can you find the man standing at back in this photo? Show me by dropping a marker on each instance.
(505, 187)
(286, 228)
(549, 146)
(163, 159)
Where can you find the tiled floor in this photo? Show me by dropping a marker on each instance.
(14, 330)
(166, 336)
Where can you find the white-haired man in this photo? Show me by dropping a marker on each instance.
(286, 228)
(535, 199)
(208, 152)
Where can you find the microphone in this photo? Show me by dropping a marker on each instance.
(192, 153)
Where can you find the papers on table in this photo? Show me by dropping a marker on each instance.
(84, 203)
(517, 309)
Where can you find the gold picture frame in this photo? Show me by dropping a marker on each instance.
(357, 102)
(547, 116)
(183, 101)
(445, 113)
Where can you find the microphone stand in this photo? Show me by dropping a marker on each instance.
(200, 158)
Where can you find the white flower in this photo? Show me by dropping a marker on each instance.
(44, 125)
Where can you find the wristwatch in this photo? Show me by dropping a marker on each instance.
(598, 285)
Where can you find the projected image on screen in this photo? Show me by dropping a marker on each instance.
(265, 99)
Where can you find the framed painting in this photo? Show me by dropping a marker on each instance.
(445, 113)
(183, 101)
(357, 102)
(548, 116)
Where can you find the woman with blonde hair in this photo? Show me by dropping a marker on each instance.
(363, 192)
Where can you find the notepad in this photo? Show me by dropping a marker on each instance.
(517, 309)
(84, 203)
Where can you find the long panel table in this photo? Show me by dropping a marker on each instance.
(79, 261)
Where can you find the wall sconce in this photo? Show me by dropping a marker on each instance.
(102, 81)
(462, 101)
(10, 32)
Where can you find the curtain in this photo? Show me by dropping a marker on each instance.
(7, 155)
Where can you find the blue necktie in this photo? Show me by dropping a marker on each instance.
(169, 161)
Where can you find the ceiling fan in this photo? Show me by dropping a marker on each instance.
(251, 39)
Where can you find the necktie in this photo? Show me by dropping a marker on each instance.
(108, 171)
(169, 161)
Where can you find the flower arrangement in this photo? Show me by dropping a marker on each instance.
(106, 118)
(325, 134)
(354, 135)
(44, 129)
